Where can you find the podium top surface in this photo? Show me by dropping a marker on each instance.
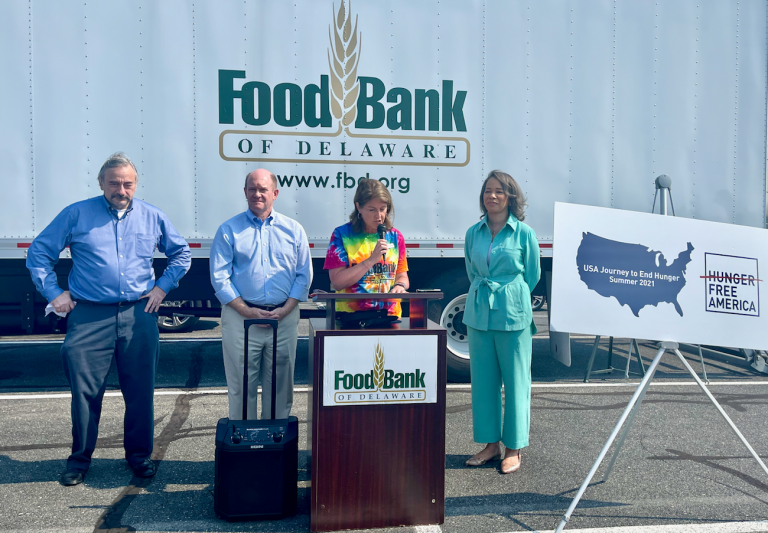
(319, 324)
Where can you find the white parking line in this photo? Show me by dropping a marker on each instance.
(31, 342)
(632, 384)
(174, 392)
(719, 527)
(722, 527)
(653, 384)
(173, 340)
(428, 529)
(451, 386)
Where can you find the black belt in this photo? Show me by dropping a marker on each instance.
(114, 304)
(264, 307)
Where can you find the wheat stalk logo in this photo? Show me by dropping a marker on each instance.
(343, 59)
(378, 366)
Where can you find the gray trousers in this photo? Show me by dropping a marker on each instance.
(95, 335)
(259, 364)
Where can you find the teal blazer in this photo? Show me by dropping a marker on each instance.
(499, 296)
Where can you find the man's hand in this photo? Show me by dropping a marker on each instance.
(249, 312)
(278, 313)
(154, 299)
(282, 312)
(254, 312)
(63, 303)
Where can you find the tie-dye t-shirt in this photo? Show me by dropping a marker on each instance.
(348, 248)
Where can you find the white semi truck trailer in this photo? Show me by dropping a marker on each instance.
(581, 101)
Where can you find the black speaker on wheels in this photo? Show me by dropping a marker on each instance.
(257, 461)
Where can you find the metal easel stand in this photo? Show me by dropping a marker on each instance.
(703, 369)
(631, 410)
(633, 342)
(611, 368)
(663, 184)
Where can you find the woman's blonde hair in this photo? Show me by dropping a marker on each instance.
(516, 203)
(367, 190)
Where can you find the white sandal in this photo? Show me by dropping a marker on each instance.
(513, 468)
(476, 461)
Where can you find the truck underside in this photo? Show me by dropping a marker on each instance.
(23, 308)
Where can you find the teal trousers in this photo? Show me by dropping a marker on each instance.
(497, 357)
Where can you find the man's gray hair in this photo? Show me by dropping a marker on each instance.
(118, 159)
(271, 175)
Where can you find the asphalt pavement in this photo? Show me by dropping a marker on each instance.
(681, 464)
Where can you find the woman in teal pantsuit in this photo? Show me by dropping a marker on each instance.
(502, 258)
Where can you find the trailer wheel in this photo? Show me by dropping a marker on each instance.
(177, 323)
(449, 313)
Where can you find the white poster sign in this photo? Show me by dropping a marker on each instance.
(380, 369)
(638, 275)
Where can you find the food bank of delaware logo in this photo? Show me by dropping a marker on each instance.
(345, 110)
(380, 384)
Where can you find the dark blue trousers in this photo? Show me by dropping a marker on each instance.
(95, 335)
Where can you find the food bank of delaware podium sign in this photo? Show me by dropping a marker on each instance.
(645, 276)
(380, 369)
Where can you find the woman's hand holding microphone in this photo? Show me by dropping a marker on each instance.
(378, 252)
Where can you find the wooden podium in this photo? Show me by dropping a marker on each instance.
(377, 420)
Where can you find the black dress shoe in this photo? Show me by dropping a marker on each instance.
(72, 477)
(145, 469)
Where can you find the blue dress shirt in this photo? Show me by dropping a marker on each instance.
(263, 262)
(111, 257)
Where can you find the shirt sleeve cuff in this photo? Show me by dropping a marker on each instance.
(227, 294)
(164, 284)
(299, 293)
(52, 293)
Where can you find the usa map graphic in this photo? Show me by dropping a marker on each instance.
(632, 273)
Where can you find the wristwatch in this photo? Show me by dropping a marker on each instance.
(401, 284)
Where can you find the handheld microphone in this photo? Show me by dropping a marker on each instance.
(382, 229)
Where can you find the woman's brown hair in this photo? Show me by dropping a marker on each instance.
(516, 202)
(367, 190)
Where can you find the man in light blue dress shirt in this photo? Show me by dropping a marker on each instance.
(260, 268)
(112, 302)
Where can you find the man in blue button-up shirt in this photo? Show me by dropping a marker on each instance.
(112, 302)
(260, 268)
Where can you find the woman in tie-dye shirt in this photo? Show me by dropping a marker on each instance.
(354, 259)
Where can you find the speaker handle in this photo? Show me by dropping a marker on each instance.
(247, 325)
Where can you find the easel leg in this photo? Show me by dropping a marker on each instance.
(592, 359)
(720, 409)
(639, 357)
(606, 447)
(703, 369)
(610, 354)
(629, 359)
(633, 344)
(629, 425)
